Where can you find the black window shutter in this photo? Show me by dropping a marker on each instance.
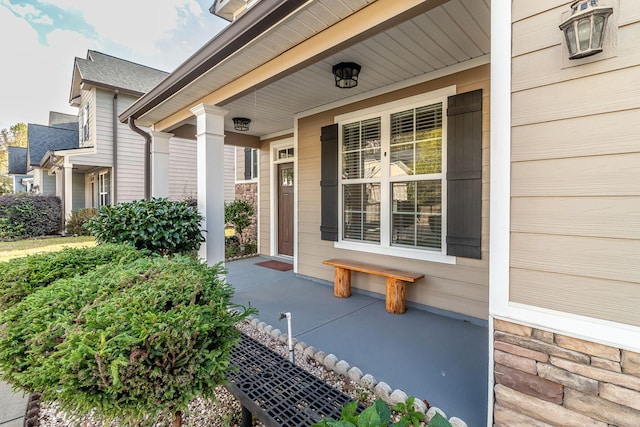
(329, 183)
(464, 174)
(247, 163)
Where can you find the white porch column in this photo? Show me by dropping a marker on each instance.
(210, 167)
(160, 164)
(67, 192)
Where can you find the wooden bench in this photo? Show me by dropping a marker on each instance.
(277, 392)
(395, 300)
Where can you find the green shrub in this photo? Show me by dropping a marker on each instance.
(22, 276)
(238, 213)
(160, 226)
(379, 415)
(77, 220)
(130, 341)
(25, 215)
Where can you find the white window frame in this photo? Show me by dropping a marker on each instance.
(104, 181)
(255, 168)
(384, 111)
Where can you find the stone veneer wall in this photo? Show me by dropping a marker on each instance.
(543, 378)
(249, 192)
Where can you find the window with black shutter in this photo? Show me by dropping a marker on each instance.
(390, 186)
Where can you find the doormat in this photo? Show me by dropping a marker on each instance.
(276, 265)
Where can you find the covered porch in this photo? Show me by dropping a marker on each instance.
(427, 355)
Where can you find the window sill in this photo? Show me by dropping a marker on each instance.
(422, 255)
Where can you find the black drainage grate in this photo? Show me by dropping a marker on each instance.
(279, 393)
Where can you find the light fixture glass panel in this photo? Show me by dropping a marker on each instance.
(571, 40)
(584, 33)
(598, 30)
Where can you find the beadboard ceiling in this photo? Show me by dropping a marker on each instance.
(453, 33)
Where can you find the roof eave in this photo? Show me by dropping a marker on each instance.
(121, 90)
(230, 40)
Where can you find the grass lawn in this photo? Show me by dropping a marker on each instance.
(21, 248)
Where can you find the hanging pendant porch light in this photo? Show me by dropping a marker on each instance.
(584, 28)
(241, 124)
(346, 74)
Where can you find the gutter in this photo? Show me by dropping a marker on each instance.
(114, 166)
(255, 22)
(147, 155)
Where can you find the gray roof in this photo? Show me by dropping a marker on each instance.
(109, 71)
(17, 160)
(62, 120)
(48, 138)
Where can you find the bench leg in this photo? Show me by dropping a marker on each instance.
(342, 283)
(247, 418)
(396, 296)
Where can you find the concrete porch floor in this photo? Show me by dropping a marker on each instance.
(427, 355)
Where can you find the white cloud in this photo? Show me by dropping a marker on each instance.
(35, 78)
(37, 68)
(136, 24)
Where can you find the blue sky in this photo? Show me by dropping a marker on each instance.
(39, 40)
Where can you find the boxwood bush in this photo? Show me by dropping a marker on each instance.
(131, 341)
(25, 215)
(159, 225)
(22, 276)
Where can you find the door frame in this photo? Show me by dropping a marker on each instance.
(276, 146)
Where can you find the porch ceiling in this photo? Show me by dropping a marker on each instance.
(449, 34)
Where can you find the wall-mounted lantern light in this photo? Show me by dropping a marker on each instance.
(241, 123)
(584, 28)
(346, 74)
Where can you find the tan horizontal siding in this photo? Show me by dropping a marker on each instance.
(617, 301)
(602, 134)
(609, 259)
(264, 194)
(544, 67)
(575, 181)
(606, 217)
(539, 30)
(614, 91)
(183, 175)
(614, 175)
(521, 10)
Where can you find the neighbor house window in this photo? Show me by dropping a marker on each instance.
(85, 124)
(250, 164)
(391, 178)
(104, 189)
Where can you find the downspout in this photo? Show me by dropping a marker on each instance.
(114, 168)
(147, 154)
(64, 207)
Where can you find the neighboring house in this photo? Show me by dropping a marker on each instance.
(110, 156)
(42, 143)
(106, 166)
(17, 169)
(471, 150)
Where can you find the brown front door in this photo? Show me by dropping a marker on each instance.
(285, 209)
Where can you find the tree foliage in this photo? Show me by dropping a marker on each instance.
(15, 136)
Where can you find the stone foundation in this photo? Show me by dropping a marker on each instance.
(249, 192)
(548, 379)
